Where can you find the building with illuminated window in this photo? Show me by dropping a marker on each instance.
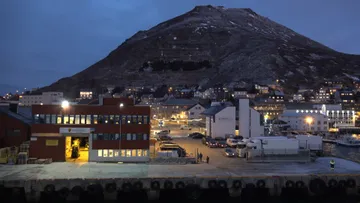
(113, 129)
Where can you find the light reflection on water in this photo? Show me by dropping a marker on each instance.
(351, 153)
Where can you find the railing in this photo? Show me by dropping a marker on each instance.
(261, 155)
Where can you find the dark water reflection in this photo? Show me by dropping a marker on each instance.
(342, 152)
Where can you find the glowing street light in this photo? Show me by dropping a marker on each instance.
(309, 120)
(121, 105)
(65, 104)
(120, 123)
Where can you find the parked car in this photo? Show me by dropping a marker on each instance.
(196, 135)
(163, 132)
(185, 127)
(238, 137)
(221, 143)
(205, 140)
(232, 142)
(164, 138)
(212, 143)
(229, 152)
(165, 142)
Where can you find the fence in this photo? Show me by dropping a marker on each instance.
(278, 155)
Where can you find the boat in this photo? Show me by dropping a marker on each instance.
(348, 141)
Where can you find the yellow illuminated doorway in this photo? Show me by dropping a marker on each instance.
(76, 149)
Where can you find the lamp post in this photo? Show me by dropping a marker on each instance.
(120, 122)
(309, 120)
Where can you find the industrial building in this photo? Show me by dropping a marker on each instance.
(251, 122)
(111, 129)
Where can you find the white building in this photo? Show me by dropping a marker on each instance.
(220, 120)
(298, 97)
(324, 116)
(44, 98)
(250, 121)
(86, 94)
(239, 93)
(309, 120)
(194, 112)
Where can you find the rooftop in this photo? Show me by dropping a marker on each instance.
(213, 110)
(22, 115)
(304, 106)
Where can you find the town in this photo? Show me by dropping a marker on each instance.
(182, 125)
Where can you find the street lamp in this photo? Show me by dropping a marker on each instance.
(120, 121)
(65, 104)
(309, 121)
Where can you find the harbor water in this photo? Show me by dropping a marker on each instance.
(350, 153)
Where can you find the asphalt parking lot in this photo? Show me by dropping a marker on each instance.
(216, 155)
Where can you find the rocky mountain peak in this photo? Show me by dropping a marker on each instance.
(214, 44)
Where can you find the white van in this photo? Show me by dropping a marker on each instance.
(185, 127)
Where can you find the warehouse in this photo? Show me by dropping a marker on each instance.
(108, 130)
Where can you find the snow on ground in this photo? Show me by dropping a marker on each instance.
(232, 23)
(339, 163)
(251, 15)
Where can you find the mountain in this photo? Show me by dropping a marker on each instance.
(209, 45)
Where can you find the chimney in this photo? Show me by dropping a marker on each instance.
(13, 107)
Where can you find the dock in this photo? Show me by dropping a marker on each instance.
(69, 179)
(329, 141)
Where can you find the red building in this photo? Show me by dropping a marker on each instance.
(14, 127)
(111, 129)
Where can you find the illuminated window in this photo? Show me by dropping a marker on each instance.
(111, 119)
(71, 119)
(145, 119)
(47, 118)
(146, 152)
(95, 118)
(99, 153)
(66, 119)
(88, 119)
(117, 119)
(116, 153)
(53, 119)
(105, 153)
(139, 120)
(128, 153)
(59, 119)
(134, 136)
(111, 153)
(77, 119)
(82, 119)
(133, 152)
(139, 152)
(123, 152)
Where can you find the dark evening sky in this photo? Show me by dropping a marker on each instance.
(44, 40)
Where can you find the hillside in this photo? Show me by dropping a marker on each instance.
(209, 45)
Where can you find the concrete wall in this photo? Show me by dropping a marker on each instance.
(256, 129)
(244, 118)
(224, 122)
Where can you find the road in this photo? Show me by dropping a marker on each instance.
(215, 154)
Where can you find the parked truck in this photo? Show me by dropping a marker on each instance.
(267, 146)
(310, 142)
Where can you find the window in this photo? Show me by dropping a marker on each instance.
(325, 122)
(66, 119)
(117, 119)
(94, 136)
(101, 119)
(77, 119)
(123, 119)
(59, 119)
(128, 119)
(145, 137)
(42, 118)
(139, 152)
(133, 136)
(72, 119)
(134, 119)
(111, 119)
(319, 122)
(99, 153)
(106, 136)
(111, 153)
(106, 119)
(36, 118)
(133, 152)
(117, 136)
(88, 119)
(47, 118)
(139, 136)
(140, 119)
(128, 136)
(123, 137)
(95, 119)
(146, 152)
(105, 153)
(53, 119)
(128, 153)
(82, 119)
(111, 136)
(100, 136)
(116, 153)
(146, 119)
(123, 153)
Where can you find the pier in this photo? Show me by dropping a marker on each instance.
(68, 180)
